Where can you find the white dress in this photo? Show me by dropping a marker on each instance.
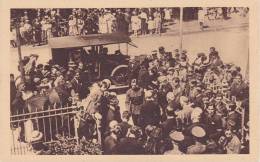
(167, 13)
(136, 23)
(102, 24)
(201, 15)
(151, 24)
(73, 27)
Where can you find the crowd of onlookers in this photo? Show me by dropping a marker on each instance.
(48, 23)
(38, 25)
(173, 105)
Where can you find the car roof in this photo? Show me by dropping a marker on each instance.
(88, 40)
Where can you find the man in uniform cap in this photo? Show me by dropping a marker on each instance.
(198, 148)
(176, 138)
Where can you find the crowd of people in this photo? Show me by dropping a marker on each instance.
(38, 25)
(182, 108)
(48, 23)
(173, 105)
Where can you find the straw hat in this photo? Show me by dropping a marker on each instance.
(176, 136)
(198, 131)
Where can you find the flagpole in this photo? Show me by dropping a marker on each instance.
(181, 28)
(18, 42)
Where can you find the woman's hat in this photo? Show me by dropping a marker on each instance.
(170, 96)
(108, 82)
(148, 94)
(113, 124)
(176, 136)
(198, 131)
(36, 136)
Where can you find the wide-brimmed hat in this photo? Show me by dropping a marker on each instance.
(162, 79)
(176, 136)
(36, 136)
(148, 94)
(113, 124)
(170, 96)
(198, 132)
(108, 82)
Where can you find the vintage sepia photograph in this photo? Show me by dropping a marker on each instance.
(129, 81)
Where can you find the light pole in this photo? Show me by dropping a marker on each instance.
(181, 28)
(18, 42)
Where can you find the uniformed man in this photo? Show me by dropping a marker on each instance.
(134, 100)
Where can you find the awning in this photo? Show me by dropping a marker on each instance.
(88, 40)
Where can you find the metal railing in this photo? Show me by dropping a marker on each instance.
(49, 121)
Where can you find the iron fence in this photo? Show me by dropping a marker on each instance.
(49, 121)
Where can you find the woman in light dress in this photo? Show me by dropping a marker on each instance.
(102, 24)
(73, 25)
(201, 17)
(151, 25)
(157, 21)
(167, 14)
(135, 23)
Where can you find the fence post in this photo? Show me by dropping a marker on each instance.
(76, 129)
(242, 124)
